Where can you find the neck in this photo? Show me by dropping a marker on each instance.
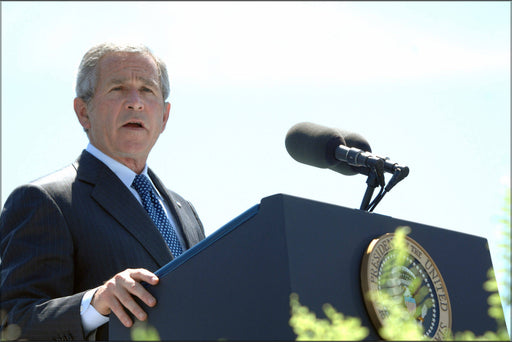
(133, 164)
(136, 164)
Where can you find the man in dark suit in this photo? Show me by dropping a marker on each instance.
(76, 245)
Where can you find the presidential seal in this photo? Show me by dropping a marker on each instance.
(414, 282)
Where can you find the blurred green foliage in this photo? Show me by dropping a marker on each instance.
(399, 323)
(142, 331)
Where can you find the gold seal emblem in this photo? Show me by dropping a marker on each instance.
(416, 283)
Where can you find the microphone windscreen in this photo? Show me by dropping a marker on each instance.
(313, 144)
(352, 140)
(355, 140)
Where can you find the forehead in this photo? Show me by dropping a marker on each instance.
(123, 65)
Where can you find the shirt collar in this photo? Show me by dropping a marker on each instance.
(125, 174)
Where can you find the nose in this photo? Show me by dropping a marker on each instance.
(134, 101)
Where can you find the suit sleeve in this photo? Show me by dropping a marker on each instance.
(37, 268)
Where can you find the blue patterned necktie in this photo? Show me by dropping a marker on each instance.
(150, 202)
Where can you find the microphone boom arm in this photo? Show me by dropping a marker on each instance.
(375, 178)
(376, 166)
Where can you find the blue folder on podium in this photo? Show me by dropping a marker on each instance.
(236, 284)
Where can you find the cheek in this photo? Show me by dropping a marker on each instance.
(98, 123)
(159, 120)
(102, 125)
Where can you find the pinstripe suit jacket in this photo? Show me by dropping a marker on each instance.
(69, 232)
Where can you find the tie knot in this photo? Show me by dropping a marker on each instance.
(142, 184)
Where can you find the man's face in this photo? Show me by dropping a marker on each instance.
(127, 112)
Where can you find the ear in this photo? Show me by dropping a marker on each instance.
(167, 109)
(82, 113)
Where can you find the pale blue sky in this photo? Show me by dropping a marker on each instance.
(426, 83)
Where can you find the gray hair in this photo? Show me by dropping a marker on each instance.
(87, 71)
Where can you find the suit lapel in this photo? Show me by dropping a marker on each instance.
(175, 206)
(118, 201)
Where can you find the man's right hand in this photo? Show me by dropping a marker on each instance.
(116, 295)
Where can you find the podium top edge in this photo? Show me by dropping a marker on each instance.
(216, 235)
(284, 197)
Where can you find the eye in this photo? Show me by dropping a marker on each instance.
(116, 88)
(147, 90)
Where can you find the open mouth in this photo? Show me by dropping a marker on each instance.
(133, 125)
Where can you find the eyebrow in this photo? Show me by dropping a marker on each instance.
(144, 80)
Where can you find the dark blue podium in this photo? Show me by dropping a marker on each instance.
(235, 285)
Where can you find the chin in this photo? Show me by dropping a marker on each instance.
(135, 148)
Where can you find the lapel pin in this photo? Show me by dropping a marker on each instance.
(179, 204)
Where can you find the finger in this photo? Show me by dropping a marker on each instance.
(118, 310)
(129, 303)
(142, 274)
(136, 289)
(117, 293)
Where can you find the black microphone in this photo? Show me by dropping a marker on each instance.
(357, 141)
(325, 147)
(314, 145)
(345, 152)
